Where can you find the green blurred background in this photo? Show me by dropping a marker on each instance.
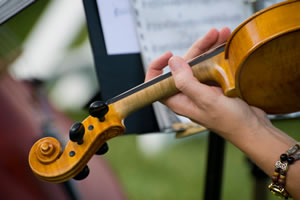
(175, 172)
(178, 171)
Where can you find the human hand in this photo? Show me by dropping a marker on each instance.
(201, 103)
(245, 126)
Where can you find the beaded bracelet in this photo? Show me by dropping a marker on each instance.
(277, 187)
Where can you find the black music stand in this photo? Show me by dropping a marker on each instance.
(118, 73)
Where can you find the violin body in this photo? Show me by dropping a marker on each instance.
(260, 65)
(263, 55)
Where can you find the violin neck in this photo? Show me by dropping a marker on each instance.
(210, 66)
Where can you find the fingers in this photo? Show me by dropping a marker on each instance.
(156, 66)
(212, 39)
(223, 36)
(182, 105)
(202, 44)
(186, 82)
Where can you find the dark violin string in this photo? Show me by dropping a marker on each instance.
(200, 58)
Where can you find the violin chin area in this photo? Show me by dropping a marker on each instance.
(269, 77)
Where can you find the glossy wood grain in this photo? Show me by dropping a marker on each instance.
(261, 65)
(50, 164)
(263, 54)
(214, 69)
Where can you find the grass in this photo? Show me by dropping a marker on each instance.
(178, 171)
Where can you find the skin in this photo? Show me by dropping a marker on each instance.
(245, 126)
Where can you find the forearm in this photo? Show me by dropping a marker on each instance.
(263, 145)
(245, 126)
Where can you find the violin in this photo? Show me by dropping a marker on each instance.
(259, 64)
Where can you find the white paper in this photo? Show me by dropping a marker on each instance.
(267, 3)
(173, 25)
(118, 27)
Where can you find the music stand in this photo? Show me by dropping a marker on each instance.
(117, 73)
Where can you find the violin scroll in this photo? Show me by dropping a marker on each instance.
(260, 65)
(47, 150)
(76, 132)
(98, 109)
(51, 164)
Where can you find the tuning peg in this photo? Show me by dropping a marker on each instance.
(98, 109)
(76, 132)
(103, 149)
(83, 174)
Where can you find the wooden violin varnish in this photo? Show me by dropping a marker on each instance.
(259, 64)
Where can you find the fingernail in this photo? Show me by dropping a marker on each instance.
(169, 53)
(174, 64)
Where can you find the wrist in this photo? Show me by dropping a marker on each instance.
(246, 129)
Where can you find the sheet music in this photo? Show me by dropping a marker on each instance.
(118, 27)
(267, 3)
(174, 25)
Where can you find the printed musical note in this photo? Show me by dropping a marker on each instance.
(175, 24)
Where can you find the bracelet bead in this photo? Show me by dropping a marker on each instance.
(277, 187)
(283, 157)
(293, 150)
(297, 156)
(281, 182)
(283, 173)
(282, 177)
(275, 173)
(274, 179)
(290, 160)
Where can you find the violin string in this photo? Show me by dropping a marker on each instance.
(199, 59)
